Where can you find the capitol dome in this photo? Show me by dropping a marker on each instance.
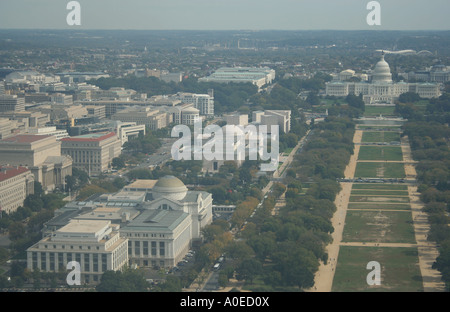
(382, 71)
(169, 187)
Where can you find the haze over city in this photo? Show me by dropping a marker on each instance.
(135, 138)
(227, 15)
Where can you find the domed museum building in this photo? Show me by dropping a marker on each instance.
(171, 220)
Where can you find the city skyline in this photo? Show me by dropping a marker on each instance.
(229, 15)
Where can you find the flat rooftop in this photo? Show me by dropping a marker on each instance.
(91, 137)
(7, 172)
(141, 184)
(84, 226)
(25, 138)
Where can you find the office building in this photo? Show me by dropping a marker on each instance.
(60, 112)
(61, 98)
(254, 75)
(58, 133)
(129, 130)
(282, 118)
(203, 102)
(6, 128)
(189, 116)
(93, 152)
(96, 111)
(39, 153)
(29, 119)
(11, 103)
(151, 118)
(236, 119)
(161, 220)
(16, 183)
(95, 244)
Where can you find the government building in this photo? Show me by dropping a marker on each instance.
(379, 88)
(39, 153)
(170, 222)
(155, 222)
(95, 245)
(16, 183)
(93, 152)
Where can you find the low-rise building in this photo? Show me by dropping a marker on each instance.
(93, 152)
(151, 118)
(282, 118)
(39, 153)
(254, 75)
(95, 244)
(11, 103)
(16, 183)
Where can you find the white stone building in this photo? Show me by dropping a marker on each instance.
(16, 183)
(170, 222)
(95, 244)
(381, 88)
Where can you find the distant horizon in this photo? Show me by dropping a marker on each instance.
(217, 15)
(228, 30)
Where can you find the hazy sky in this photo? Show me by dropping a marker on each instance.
(227, 14)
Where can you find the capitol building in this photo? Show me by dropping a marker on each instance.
(378, 87)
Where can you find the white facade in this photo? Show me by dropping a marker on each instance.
(282, 118)
(95, 245)
(92, 152)
(381, 89)
(16, 183)
(127, 130)
(203, 102)
(163, 233)
(58, 133)
(254, 75)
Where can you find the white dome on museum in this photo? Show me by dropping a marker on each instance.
(169, 187)
(382, 71)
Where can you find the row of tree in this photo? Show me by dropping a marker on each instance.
(429, 134)
(282, 252)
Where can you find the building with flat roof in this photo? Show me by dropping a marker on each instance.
(58, 112)
(96, 111)
(141, 185)
(236, 119)
(93, 152)
(28, 118)
(152, 118)
(12, 103)
(58, 133)
(254, 75)
(129, 130)
(39, 153)
(95, 244)
(203, 102)
(171, 221)
(6, 128)
(282, 118)
(16, 183)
